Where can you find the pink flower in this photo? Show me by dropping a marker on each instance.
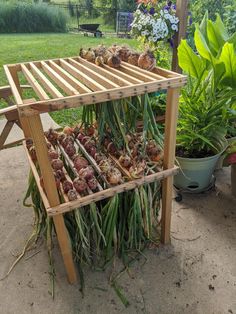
(232, 159)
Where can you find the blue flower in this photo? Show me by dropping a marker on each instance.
(152, 11)
(169, 3)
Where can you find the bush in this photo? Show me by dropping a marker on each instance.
(31, 18)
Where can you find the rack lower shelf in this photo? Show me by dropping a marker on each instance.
(97, 196)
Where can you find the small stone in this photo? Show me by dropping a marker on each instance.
(211, 287)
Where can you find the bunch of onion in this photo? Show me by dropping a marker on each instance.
(147, 60)
(99, 50)
(138, 169)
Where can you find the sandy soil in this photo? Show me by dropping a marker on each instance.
(195, 274)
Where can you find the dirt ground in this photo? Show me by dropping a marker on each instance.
(195, 274)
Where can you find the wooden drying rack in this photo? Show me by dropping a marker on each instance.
(73, 82)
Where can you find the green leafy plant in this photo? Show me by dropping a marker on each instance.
(208, 103)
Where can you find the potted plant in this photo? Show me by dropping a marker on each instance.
(206, 104)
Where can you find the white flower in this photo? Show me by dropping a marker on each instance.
(174, 27)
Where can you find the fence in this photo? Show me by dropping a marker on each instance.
(111, 19)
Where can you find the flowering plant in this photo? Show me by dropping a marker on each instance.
(154, 21)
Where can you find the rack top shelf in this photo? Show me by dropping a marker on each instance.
(73, 82)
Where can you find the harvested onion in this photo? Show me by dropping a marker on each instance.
(125, 161)
(114, 61)
(70, 150)
(124, 53)
(80, 185)
(133, 58)
(53, 154)
(72, 195)
(86, 173)
(67, 185)
(57, 164)
(99, 61)
(147, 61)
(80, 162)
(92, 183)
(114, 176)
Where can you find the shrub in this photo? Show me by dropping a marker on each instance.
(22, 17)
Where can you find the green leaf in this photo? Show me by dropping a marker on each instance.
(203, 26)
(215, 38)
(232, 40)
(189, 61)
(221, 28)
(202, 46)
(228, 56)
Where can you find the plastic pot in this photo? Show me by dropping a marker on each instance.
(195, 174)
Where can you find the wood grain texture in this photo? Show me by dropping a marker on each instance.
(171, 118)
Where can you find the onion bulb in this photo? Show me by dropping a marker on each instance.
(100, 50)
(53, 154)
(89, 55)
(147, 61)
(86, 173)
(51, 136)
(125, 161)
(124, 53)
(70, 150)
(61, 137)
(114, 176)
(72, 195)
(133, 58)
(57, 164)
(114, 61)
(99, 61)
(80, 162)
(60, 175)
(67, 140)
(80, 185)
(68, 130)
(67, 185)
(92, 183)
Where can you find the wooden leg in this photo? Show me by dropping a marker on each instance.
(34, 129)
(168, 162)
(6, 130)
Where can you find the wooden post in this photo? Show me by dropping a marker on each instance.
(169, 160)
(182, 13)
(37, 135)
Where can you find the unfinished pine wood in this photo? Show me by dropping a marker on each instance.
(14, 84)
(69, 78)
(123, 75)
(94, 75)
(61, 82)
(98, 97)
(136, 73)
(34, 84)
(168, 161)
(147, 73)
(85, 79)
(45, 82)
(37, 136)
(66, 207)
(112, 76)
(37, 179)
(6, 130)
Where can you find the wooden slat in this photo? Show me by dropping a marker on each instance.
(101, 96)
(45, 82)
(36, 176)
(171, 118)
(66, 207)
(69, 78)
(85, 79)
(3, 111)
(123, 75)
(166, 73)
(112, 76)
(148, 73)
(12, 83)
(94, 75)
(63, 84)
(136, 73)
(33, 82)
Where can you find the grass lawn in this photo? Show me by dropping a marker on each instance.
(28, 47)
